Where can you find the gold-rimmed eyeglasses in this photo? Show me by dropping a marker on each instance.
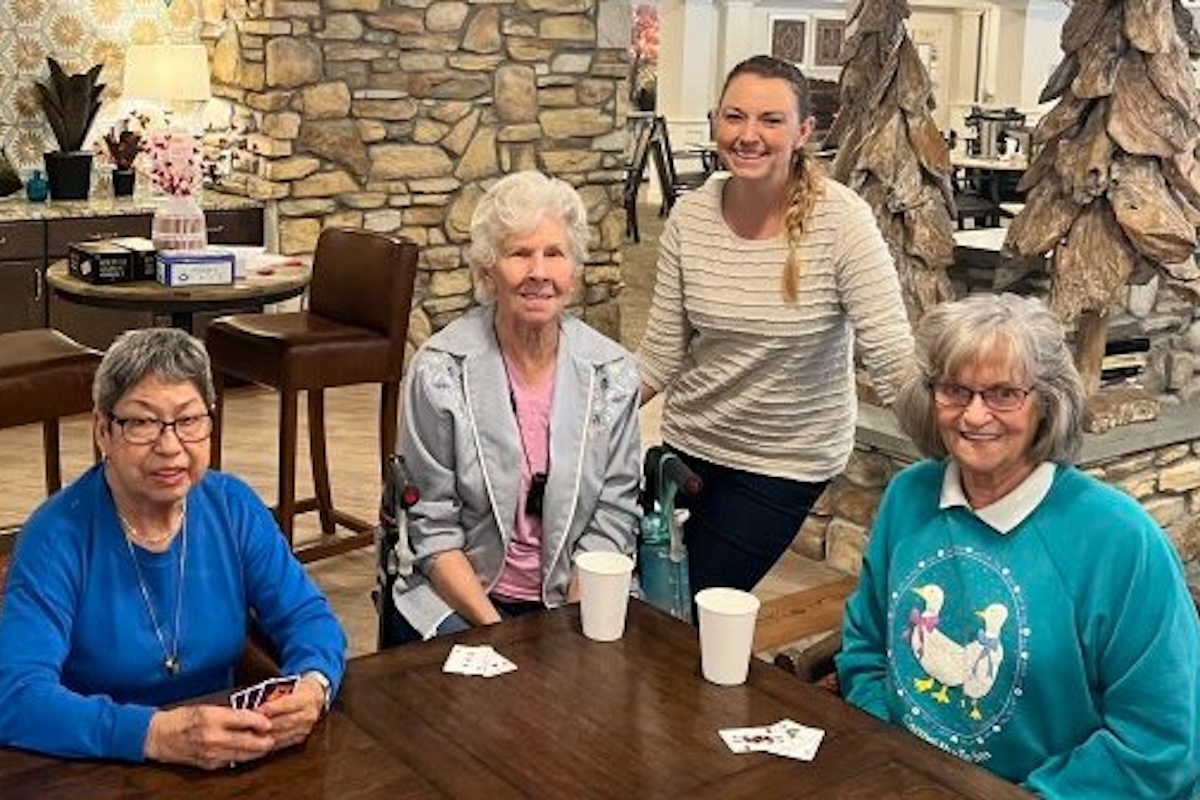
(997, 398)
(147, 430)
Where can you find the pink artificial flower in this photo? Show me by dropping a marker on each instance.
(174, 162)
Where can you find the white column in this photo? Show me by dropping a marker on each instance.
(689, 68)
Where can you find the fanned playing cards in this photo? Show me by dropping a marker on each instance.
(483, 661)
(785, 738)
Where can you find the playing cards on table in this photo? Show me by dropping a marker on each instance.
(785, 738)
(483, 661)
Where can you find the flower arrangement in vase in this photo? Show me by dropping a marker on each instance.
(123, 143)
(175, 169)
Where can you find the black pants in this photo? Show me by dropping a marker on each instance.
(741, 523)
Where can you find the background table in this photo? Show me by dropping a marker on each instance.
(990, 177)
(631, 719)
(183, 303)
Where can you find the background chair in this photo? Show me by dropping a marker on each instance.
(45, 375)
(635, 172)
(354, 331)
(672, 182)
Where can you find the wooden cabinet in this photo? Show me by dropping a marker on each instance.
(22, 284)
(23, 289)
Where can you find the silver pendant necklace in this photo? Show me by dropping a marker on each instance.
(171, 655)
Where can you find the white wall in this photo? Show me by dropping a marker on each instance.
(994, 53)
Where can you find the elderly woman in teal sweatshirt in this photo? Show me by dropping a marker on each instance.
(1012, 609)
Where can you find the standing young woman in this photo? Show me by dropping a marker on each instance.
(769, 277)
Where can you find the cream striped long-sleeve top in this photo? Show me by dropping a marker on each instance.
(754, 382)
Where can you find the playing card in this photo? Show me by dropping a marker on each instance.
(749, 740)
(785, 738)
(483, 661)
(263, 691)
(278, 687)
(464, 660)
(238, 698)
(497, 665)
(793, 740)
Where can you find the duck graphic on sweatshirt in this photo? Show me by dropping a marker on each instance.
(959, 627)
(971, 666)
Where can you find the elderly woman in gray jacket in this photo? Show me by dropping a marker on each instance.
(520, 427)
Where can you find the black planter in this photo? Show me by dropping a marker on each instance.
(70, 175)
(123, 180)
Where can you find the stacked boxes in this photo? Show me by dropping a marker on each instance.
(132, 258)
(112, 260)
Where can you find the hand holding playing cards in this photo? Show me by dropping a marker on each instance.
(293, 713)
(208, 736)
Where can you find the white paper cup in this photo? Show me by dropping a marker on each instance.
(727, 618)
(603, 594)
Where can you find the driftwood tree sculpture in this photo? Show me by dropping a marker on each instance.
(1115, 190)
(891, 152)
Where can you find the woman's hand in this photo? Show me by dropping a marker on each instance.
(210, 737)
(293, 715)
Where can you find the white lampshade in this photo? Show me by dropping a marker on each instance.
(171, 73)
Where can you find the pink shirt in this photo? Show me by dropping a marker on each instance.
(521, 578)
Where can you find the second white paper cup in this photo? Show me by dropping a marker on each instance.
(604, 580)
(727, 618)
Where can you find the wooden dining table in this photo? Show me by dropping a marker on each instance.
(632, 719)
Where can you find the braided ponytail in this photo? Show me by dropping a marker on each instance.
(807, 184)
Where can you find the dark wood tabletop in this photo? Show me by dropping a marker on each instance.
(577, 719)
(183, 302)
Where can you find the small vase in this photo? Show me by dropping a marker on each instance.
(36, 188)
(123, 180)
(179, 224)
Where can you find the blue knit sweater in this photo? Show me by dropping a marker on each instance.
(81, 669)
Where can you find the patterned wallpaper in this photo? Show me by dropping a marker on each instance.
(79, 33)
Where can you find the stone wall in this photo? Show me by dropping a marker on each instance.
(1156, 462)
(395, 115)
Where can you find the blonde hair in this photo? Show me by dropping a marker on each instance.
(807, 182)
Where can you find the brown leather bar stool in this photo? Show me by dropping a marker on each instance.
(45, 375)
(354, 331)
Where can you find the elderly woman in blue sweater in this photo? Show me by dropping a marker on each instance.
(520, 428)
(130, 590)
(1013, 610)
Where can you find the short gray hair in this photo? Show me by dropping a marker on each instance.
(953, 335)
(166, 353)
(515, 206)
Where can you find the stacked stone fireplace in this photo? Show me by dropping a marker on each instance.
(395, 115)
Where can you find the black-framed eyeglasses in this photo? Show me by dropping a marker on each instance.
(147, 430)
(997, 398)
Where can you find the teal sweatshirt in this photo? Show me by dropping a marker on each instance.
(1063, 655)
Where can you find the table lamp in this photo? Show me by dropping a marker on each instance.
(175, 75)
